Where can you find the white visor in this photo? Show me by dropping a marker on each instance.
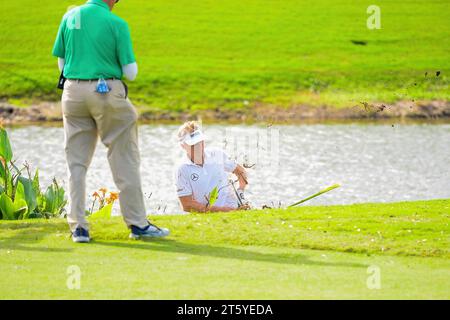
(193, 138)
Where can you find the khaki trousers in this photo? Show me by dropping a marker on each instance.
(87, 115)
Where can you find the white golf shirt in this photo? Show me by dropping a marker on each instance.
(199, 181)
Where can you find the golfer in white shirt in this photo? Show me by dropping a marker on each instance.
(201, 170)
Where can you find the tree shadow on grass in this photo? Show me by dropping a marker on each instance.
(28, 234)
(205, 250)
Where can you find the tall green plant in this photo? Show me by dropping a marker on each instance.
(21, 196)
(54, 199)
(14, 209)
(6, 155)
(29, 193)
(5, 146)
(2, 175)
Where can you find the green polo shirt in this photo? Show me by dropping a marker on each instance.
(94, 42)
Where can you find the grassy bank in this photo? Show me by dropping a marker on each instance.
(308, 252)
(235, 55)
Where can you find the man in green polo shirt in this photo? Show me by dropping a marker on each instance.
(94, 51)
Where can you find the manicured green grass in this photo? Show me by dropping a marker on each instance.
(233, 54)
(242, 255)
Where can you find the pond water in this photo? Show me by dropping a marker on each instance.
(372, 162)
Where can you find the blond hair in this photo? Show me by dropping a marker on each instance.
(187, 127)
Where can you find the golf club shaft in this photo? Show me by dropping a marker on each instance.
(315, 195)
(237, 194)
